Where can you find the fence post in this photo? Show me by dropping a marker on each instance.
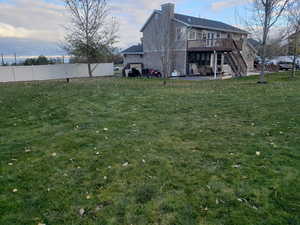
(32, 72)
(14, 73)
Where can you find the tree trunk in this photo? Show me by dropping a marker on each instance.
(165, 82)
(263, 68)
(262, 79)
(90, 69)
(294, 66)
(295, 56)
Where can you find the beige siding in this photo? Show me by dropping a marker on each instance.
(133, 59)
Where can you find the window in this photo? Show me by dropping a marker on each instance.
(180, 33)
(202, 58)
(192, 35)
(199, 35)
(218, 35)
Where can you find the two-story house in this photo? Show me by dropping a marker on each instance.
(294, 43)
(199, 46)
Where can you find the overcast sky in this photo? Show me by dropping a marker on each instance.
(44, 19)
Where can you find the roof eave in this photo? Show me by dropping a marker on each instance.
(133, 53)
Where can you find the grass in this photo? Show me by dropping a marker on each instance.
(121, 151)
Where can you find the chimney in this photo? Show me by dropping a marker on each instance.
(168, 9)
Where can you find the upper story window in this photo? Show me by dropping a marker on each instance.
(210, 35)
(199, 35)
(218, 35)
(192, 35)
(180, 33)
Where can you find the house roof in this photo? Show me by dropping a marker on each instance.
(206, 23)
(294, 34)
(253, 42)
(135, 49)
(196, 22)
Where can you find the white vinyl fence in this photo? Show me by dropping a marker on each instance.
(50, 72)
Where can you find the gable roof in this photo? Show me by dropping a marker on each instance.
(294, 34)
(135, 49)
(253, 42)
(196, 22)
(206, 23)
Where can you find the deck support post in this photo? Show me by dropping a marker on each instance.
(215, 64)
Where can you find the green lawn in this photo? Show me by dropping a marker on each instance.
(121, 151)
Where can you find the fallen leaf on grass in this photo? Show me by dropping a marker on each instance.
(236, 166)
(81, 212)
(98, 208)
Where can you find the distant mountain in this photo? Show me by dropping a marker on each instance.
(29, 47)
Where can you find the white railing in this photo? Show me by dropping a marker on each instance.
(215, 43)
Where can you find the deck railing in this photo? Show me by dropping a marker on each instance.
(215, 43)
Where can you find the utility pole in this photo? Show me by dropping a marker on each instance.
(15, 59)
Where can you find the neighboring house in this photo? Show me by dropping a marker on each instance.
(294, 43)
(198, 45)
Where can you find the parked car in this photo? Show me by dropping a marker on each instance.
(132, 70)
(285, 65)
(134, 73)
(151, 73)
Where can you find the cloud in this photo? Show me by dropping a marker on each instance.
(9, 31)
(132, 15)
(220, 5)
(34, 19)
(44, 20)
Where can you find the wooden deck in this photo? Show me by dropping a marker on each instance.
(223, 45)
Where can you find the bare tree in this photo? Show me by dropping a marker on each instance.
(90, 35)
(275, 47)
(293, 15)
(266, 13)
